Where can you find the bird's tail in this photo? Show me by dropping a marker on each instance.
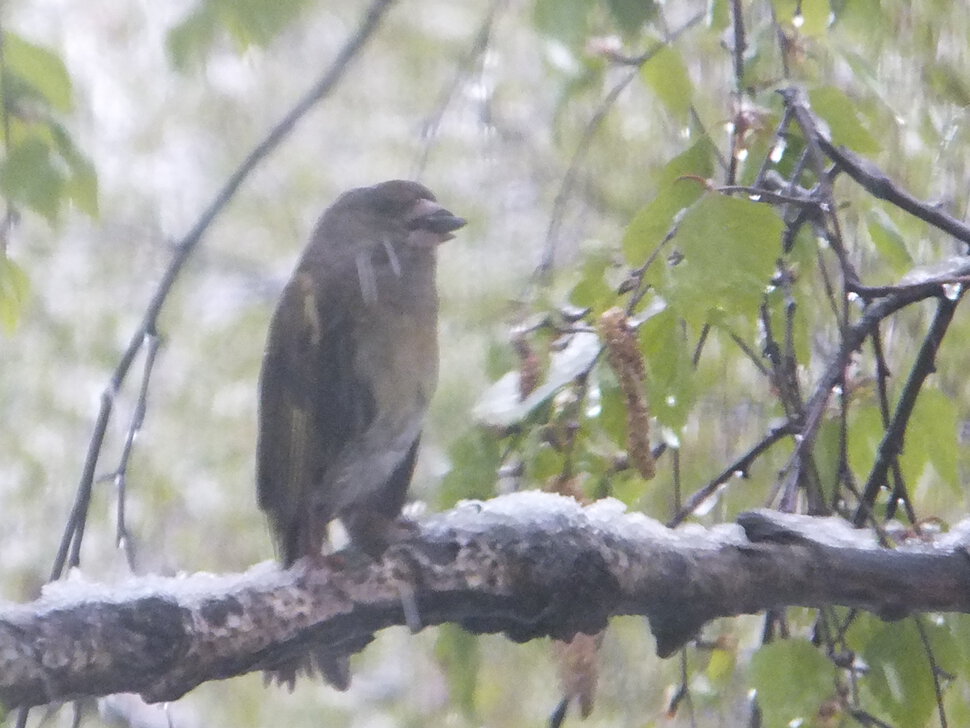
(332, 667)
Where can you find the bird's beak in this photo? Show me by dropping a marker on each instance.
(429, 217)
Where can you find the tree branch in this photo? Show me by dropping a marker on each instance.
(529, 565)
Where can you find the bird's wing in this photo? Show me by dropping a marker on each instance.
(309, 406)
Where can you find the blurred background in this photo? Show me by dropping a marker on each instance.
(489, 104)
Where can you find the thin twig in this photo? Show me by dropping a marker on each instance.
(547, 262)
(120, 476)
(934, 669)
(879, 184)
(542, 272)
(900, 491)
(892, 442)
(781, 134)
(741, 465)
(751, 354)
(854, 337)
(431, 125)
(740, 45)
(795, 99)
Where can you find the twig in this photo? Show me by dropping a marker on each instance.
(796, 100)
(431, 125)
(740, 45)
(880, 185)
(120, 476)
(759, 194)
(935, 669)
(780, 135)
(900, 492)
(854, 337)
(892, 442)
(548, 260)
(751, 354)
(544, 269)
(741, 465)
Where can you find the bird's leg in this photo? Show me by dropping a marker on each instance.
(373, 531)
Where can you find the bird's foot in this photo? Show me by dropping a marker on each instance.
(373, 532)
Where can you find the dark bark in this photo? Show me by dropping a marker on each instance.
(528, 565)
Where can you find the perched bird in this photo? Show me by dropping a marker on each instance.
(350, 365)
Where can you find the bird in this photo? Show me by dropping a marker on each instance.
(348, 371)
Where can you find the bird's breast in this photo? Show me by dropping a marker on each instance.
(397, 355)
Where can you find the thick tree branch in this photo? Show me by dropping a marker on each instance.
(528, 565)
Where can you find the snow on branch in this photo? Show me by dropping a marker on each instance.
(529, 565)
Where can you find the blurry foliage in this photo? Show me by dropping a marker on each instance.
(245, 22)
(41, 168)
(701, 276)
(793, 680)
(710, 287)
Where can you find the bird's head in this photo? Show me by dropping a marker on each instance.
(384, 232)
(399, 212)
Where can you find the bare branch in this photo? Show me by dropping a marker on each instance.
(880, 185)
(892, 443)
(529, 565)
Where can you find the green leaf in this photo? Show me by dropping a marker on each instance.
(40, 69)
(888, 240)
(777, 300)
(82, 186)
(949, 82)
(257, 22)
(959, 627)
(652, 222)
(188, 42)
(627, 487)
(729, 249)
(14, 290)
(459, 655)
(612, 418)
(671, 386)
(719, 17)
(722, 666)
(866, 431)
(900, 676)
(475, 459)
(563, 20)
(248, 22)
(842, 115)
(543, 460)
(793, 679)
(29, 177)
(666, 73)
(593, 291)
(826, 456)
(865, 20)
(631, 15)
(931, 437)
